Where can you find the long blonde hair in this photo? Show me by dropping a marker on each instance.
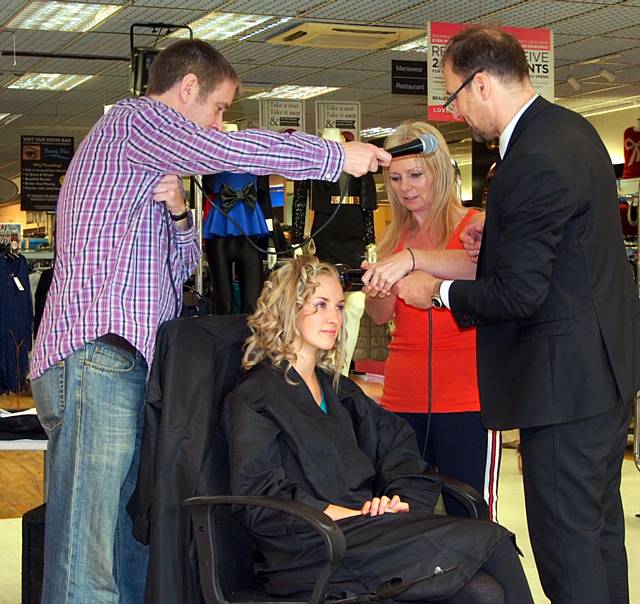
(446, 204)
(274, 324)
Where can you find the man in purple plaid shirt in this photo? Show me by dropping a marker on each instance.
(125, 247)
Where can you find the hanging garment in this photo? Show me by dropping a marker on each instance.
(351, 229)
(16, 317)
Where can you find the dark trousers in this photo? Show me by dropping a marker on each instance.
(222, 253)
(574, 509)
(461, 447)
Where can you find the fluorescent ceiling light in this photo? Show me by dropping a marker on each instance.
(62, 16)
(376, 132)
(265, 28)
(631, 103)
(7, 118)
(49, 81)
(220, 26)
(294, 92)
(248, 88)
(417, 45)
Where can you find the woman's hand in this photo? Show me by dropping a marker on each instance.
(169, 191)
(338, 512)
(380, 277)
(383, 505)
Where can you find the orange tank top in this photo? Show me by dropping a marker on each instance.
(455, 378)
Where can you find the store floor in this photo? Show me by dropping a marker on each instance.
(22, 472)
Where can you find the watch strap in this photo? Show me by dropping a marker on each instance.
(436, 300)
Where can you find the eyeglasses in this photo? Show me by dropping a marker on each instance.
(460, 88)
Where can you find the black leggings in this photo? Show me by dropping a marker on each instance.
(222, 253)
(501, 580)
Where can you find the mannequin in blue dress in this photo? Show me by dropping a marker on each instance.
(246, 199)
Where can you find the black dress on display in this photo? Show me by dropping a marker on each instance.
(351, 230)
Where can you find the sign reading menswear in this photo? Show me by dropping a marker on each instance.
(281, 115)
(343, 116)
(409, 77)
(537, 45)
(43, 164)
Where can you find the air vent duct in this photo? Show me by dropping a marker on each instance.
(334, 35)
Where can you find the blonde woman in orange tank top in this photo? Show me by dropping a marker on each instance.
(426, 220)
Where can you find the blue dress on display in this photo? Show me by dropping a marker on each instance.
(237, 195)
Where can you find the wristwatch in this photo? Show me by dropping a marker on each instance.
(436, 300)
(178, 217)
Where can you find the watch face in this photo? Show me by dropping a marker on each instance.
(436, 303)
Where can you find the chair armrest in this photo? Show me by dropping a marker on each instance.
(466, 495)
(330, 533)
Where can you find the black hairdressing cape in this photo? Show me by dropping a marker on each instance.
(283, 445)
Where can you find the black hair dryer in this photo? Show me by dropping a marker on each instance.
(350, 278)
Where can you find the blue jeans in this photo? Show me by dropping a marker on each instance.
(91, 407)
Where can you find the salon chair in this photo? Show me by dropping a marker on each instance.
(199, 551)
(225, 550)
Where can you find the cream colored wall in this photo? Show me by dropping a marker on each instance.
(465, 172)
(611, 127)
(12, 214)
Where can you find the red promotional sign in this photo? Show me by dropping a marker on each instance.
(537, 44)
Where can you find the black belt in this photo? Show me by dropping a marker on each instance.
(119, 342)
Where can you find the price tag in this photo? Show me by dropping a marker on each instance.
(269, 222)
(18, 284)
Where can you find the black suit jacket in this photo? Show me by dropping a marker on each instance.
(557, 313)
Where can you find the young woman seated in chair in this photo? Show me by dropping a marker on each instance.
(298, 430)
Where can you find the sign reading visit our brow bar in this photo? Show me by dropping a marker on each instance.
(537, 45)
(43, 164)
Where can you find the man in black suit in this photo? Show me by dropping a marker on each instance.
(558, 319)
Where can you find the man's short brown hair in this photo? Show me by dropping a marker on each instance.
(190, 56)
(489, 49)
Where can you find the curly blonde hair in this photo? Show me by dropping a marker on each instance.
(446, 204)
(274, 324)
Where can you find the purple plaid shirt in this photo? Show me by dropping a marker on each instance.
(120, 262)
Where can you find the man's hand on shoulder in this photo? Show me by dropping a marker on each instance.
(360, 158)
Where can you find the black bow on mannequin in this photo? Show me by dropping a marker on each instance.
(230, 197)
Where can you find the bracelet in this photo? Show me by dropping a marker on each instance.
(413, 259)
(178, 217)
